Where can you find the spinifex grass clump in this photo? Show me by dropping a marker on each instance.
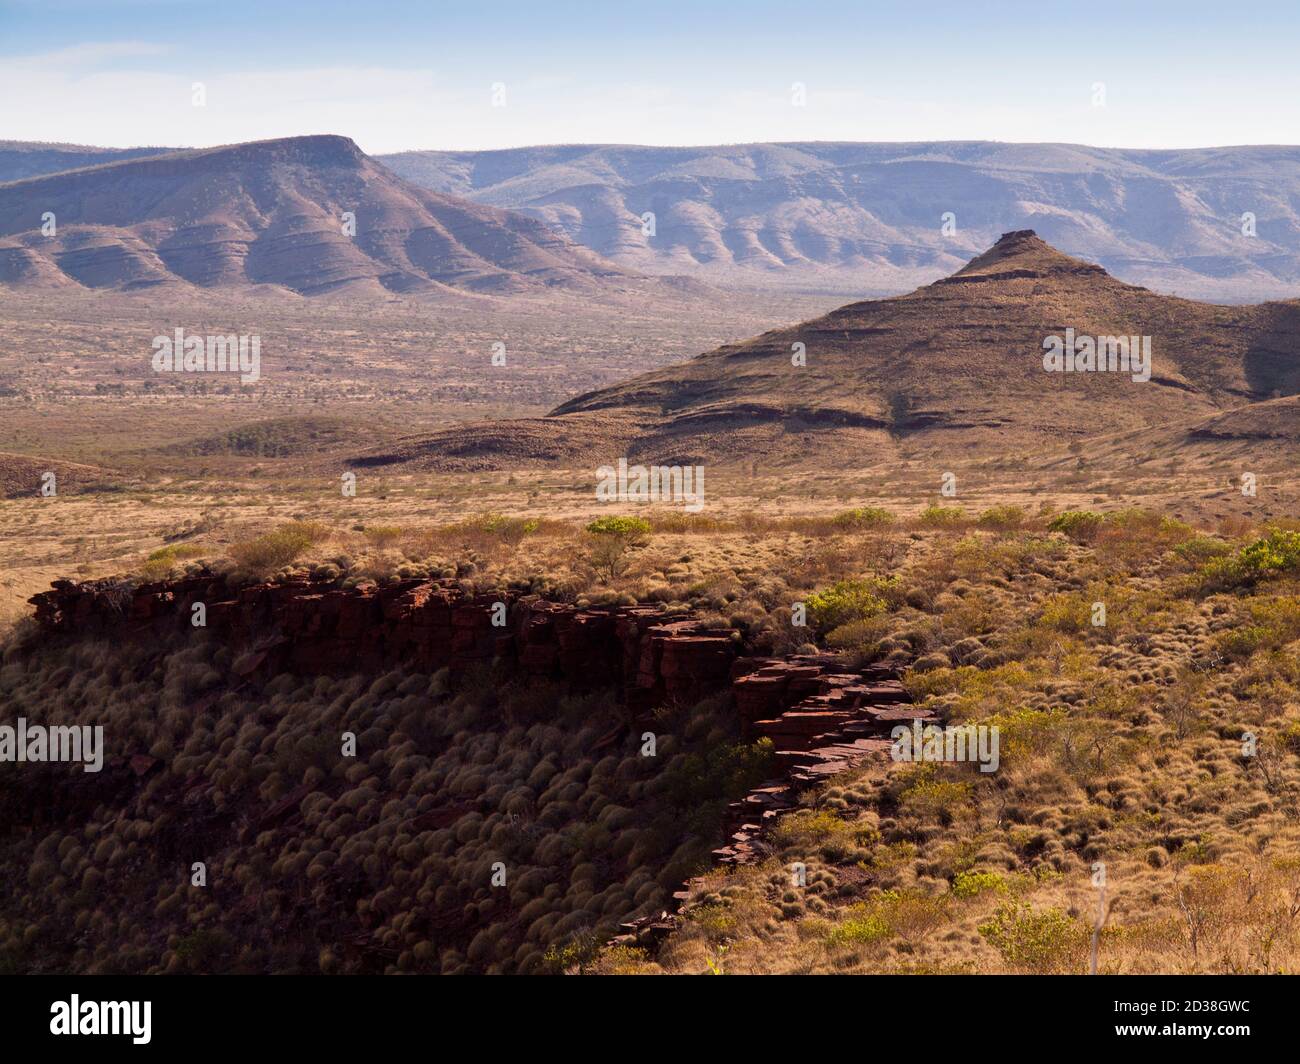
(353, 824)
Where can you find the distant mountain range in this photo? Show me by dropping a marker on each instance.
(953, 369)
(852, 218)
(868, 218)
(310, 214)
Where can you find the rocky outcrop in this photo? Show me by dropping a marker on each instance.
(823, 718)
(818, 713)
(311, 627)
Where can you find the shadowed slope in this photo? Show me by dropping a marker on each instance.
(23, 476)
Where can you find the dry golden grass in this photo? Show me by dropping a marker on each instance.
(1123, 753)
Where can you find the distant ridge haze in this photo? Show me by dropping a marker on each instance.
(863, 217)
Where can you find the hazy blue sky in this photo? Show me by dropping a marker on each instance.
(397, 75)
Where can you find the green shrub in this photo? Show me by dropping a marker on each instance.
(864, 517)
(1082, 526)
(843, 602)
(1036, 941)
(577, 953)
(611, 539)
(1067, 613)
(971, 884)
(935, 799)
(908, 913)
(1240, 643)
(822, 830)
(934, 516)
(723, 772)
(514, 529)
(176, 552)
(1274, 624)
(1290, 736)
(1023, 732)
(1002, 518)
(1276, 553)
(864, 930)
(160, 562)
(277, 548)
(1199, 550)
(622, 527)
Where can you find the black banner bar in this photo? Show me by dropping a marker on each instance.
(232, 1014)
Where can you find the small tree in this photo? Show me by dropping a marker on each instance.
(1209, 898)
(1181, 705)
(611, 539)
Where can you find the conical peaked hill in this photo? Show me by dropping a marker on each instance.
(956, 364)
(274, 212)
